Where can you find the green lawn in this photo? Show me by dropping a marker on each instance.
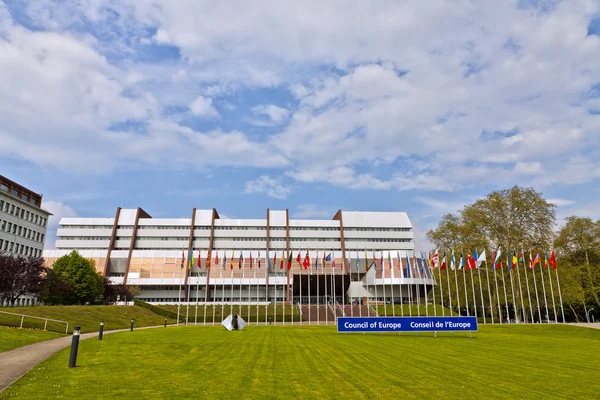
(310, 362)
(88, 317)
(11, 338)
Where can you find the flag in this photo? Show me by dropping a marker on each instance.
(497, 259)
(231, 262)
(251, 261)
(461, 262)
(443, 264)
(366, 261)
(328, 258)
(241, 260)
(389, 260)
(199, 261)
(191, 259)
(530, 261)
(282, 260)
(274, 260)
(429, 259)
(552, 260)
(471, 261)
(268, 262)
(509, 261)
(208, 256)
(435, 260)
(407, 275)
(298, 259)
(515, 260)
(537, 260)
(452, 262)
(306, 262)
(224, 260)
(259, 259)
(290, 260)
(475, 259)
(317, 261)
(381, 260)
(357, 260)
(481, 259)
(546, 260)
(423, 262)
(522, 258)
(217, 258)
(182, 258)
(333, 262)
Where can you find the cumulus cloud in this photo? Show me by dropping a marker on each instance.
(272, 187)
(312, 211)
(203, 107)
(274, 113)
(59, 210)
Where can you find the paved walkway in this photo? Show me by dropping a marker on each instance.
(16, 363)
(586, 325)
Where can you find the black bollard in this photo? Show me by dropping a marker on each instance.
(101, 331)
(131, 326)
(165, 323)
(74, 347)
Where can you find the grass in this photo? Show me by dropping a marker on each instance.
(11, 338)
(88, 317)
(307, 362)
(291, 312)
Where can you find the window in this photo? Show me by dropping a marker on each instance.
(12, 208)
(23, 214)
(1, 205)
(14, 192)
(3, 226)
(42, 238)
(25, 197)
(27, 215)
(22, 248)
(35, 220)
(14, 229)
(3, 187)
(37, 237)
(17, 211)
(20, 230)
(1, 243)
(11, 247)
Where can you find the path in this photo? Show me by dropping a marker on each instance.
(586, 325)
(16, 363)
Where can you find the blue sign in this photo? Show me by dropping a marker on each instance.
(406, 324)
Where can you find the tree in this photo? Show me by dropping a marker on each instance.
(516, 218)
(113, 292)
(19, 276)
(85, 283)
(579, 241)
(55, 291)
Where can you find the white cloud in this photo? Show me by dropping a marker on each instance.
(312, 211)
(59, 210)
(560, 202)
(276, 114)
(202, 107)
(272, 187)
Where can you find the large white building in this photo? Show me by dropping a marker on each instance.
(22, 220)
(246, 256)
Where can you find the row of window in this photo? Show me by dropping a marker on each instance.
(243, 228)
(377, 229)
(16, 193)
(17, 248)
(84, 238)
(379, 240)
(21, 231)
(22, 213)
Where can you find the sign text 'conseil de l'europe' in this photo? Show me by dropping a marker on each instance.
(406, 324)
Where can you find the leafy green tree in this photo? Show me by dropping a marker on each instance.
(79, 273)
(20, 276)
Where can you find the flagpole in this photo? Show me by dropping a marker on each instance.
(448, 282)
(223, 284)
(325, 284)
(418, 285)
(205, 284)
(231, 305)
(333, 281)
(257, 288)
(505, 297)
(462, 265)
(560, 296)
(383, 284)
(441, 287)
(300, 274)
(528, 288)
(487, 278)
(480, 288)
(512, 289)
(537, 298)
(424, 272)
(241, 267)
(552, 294)
(179, 293)
(473, 291)
(497, 292)
(401, 280)
(197, 293)
(521, 294)
(309, 292)
(375, 284)
(544, 291)
(409, 273)
(433, 285)
(249, 286)
(456, 282)
(187, 301)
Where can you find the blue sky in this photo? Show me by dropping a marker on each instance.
(312, 106)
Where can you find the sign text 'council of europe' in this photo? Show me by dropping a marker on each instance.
(406, 324)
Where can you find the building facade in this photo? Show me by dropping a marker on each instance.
(355, 256)
(23, 222)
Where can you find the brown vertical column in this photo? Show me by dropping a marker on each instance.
(189, 248)
(111, 244)
(267, 255)
(287, 251)
(139, 214)
(211, 239)
(338, 216)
